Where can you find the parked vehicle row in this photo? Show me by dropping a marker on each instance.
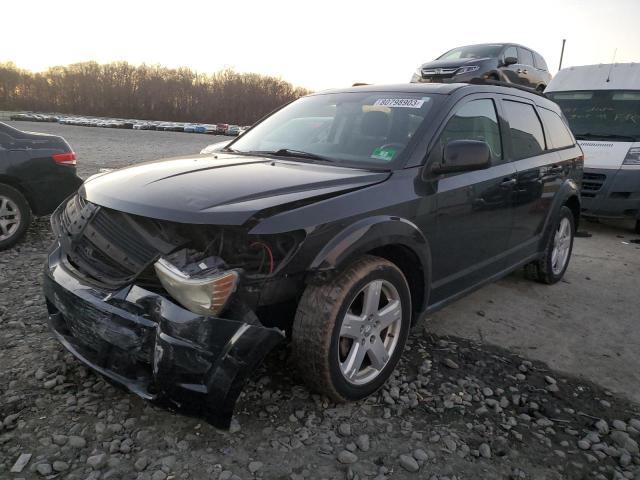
(34, 117)
(218, 129)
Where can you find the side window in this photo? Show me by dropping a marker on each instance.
(525, 57)
(527, 138)
(557, 131)
(511, 52)
(540, 63)
(475, 120)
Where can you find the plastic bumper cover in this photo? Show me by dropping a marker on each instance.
(154, 348)
(611, 193)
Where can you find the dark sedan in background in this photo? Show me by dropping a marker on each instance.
(37, 172)
(506, 62)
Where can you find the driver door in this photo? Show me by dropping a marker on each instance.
(473, 209)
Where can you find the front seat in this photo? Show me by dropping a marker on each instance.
(373, 131)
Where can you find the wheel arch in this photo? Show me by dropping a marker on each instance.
(14, 183)
(393, 238)
(568, 195)
(573, 203)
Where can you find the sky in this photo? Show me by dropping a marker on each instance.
(313, 44)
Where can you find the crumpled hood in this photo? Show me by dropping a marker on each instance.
(222, 189)
(453, 63)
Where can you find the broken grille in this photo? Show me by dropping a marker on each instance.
(103, 244)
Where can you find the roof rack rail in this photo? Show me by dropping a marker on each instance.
(498, 83)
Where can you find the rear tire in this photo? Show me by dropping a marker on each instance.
(349, 333)
(557, 253)
(15, 216)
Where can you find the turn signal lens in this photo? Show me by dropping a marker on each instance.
(202, 295)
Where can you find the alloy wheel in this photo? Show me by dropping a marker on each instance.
(9, 217)
(370, 332)
(561, 246)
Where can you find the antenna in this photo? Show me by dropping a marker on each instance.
(611, 66)
(564, 40)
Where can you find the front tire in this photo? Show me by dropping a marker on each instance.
(551, 267)
(15, 216)
(348, 334)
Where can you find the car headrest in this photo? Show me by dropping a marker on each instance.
(374, 124)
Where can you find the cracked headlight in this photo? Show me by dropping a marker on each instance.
(467, 69)
(204, 295)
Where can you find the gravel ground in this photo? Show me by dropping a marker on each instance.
(586, 325)
(456, 409)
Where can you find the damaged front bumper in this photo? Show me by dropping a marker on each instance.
(153, 347)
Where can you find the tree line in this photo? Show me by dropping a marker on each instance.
(149, 92)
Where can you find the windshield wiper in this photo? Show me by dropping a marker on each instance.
(289, 152)
(606, 136)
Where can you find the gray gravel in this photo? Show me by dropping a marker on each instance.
(454, 409)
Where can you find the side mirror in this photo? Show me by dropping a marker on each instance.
(510, 61)
(463, 156)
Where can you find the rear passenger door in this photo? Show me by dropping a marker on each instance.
(526, 68)
(539, 175)
(473, 208)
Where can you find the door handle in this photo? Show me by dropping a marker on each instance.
(556, 169)
(508, 182)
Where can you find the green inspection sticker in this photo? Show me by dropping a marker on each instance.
(384, 153)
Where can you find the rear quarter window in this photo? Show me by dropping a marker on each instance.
(540, 63)
(527, 137)
(557, 132)
(525, 57)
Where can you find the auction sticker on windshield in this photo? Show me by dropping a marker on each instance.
(400, 102)
(386, 154)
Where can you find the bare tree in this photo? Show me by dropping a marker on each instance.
(145, 92)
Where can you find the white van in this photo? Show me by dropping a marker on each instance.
(602, 104)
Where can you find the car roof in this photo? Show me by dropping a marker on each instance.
(441, 88)
(617, 76)
(434, 88)
(448, 89)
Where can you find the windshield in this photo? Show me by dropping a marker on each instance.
(609, 114)
(359, 129)
(472, 51)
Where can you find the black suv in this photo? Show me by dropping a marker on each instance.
(37, 172)
(505, 62)
(336, 223)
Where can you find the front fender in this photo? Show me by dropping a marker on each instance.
(371, 233)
